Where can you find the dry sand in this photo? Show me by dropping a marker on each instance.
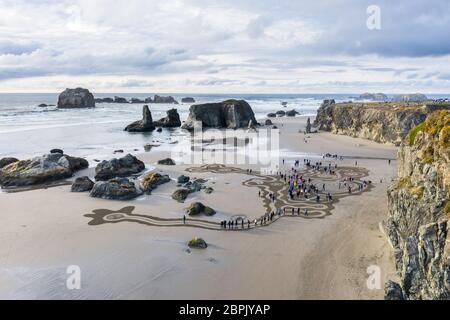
(44, 231)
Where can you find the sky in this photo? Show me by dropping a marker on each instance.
(225, 46)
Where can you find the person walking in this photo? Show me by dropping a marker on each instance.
(184, 219)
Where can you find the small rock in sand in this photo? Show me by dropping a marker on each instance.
(82, 184)
(197, 243)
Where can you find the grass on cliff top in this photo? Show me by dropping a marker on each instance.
(413, 133)
(392, 106)
(437, 124)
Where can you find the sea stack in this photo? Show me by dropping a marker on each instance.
(76, 98)
(230, 114)
(144, 125)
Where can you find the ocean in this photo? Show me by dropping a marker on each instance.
(27, 130)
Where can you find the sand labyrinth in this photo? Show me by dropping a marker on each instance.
(267, 185)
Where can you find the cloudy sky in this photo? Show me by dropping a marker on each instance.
(224, 46)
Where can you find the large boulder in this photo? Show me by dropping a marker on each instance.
(271, 115)
(180, 194)
(291, 113)
(39, 170)
(197, 208)
(115, 189)
(121, 167)
(82, 184)
(144, 125)
(231, 114)
(172, 120)
(183, 179)
(188, 100)
(76, 98)
(8, 160)
(152, 180)
(280, 113)
(268, 122)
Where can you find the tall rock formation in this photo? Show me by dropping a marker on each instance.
(379, 121)
(76, 98)
(231, 114)
(419, 211)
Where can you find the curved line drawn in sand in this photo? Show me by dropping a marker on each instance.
(267, 185)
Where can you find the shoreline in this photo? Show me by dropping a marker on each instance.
(251, 264)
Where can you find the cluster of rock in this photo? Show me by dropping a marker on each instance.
(373, 96)
(411, 97)
(172, 120)
(76, 98)
(156, 99)
(231, 114)
(39, 170)
(418, 223)
(381, 122)
(188, 186)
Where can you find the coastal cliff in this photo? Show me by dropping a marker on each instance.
(385, 122)
(419, 211)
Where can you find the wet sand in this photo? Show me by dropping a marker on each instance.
(45, 231)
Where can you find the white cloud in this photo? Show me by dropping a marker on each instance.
(217, 46)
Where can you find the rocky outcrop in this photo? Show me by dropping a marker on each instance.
(152, 180)
(412, 97)
(188, 100)
(144, 125)
(104, 100)
(271, 115)
(308, 126)
(8, 160)
(231, 114)
(172, 120)
(381, 122)
(115, 189)
(373, 96)
(280, 113)
(161, 99)
(82, 184)
(76, 98)
(40, 170)
(419, 211)
(268, 122)
(120, 100)
(122, 167)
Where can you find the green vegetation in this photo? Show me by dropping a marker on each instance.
(413, 133)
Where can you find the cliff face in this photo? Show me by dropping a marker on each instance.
(379, 121)
(419, 211)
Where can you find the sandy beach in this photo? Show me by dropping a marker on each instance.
(45, 231)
